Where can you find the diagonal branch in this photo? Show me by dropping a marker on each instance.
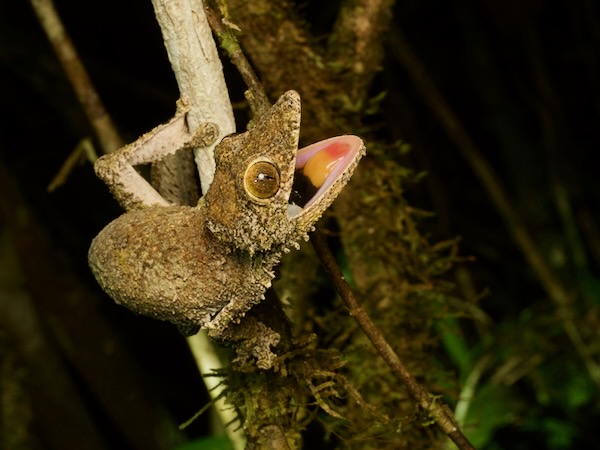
(78, 77)
(257, 96)
(433, 406)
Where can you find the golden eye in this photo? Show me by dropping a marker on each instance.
(262, 179)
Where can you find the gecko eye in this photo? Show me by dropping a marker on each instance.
(262, 180)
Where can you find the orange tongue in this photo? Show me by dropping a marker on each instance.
(318, 168)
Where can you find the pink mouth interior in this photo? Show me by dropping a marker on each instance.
(341, 151)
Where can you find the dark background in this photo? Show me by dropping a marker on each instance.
(522, 77)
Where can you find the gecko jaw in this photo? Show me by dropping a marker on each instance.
(318, 168)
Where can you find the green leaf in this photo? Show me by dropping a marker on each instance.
(493, 407)
(559, 434)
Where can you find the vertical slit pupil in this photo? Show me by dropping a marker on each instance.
(262, 179)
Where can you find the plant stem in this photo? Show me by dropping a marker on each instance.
(432, 405)
(258, 98)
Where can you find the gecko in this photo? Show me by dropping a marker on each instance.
(208, 265)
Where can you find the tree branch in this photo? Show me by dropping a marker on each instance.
(257, 98)
(436, 409)
(199, 73)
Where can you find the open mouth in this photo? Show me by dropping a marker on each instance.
(318, 167)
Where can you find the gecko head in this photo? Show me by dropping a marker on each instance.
(266, 193)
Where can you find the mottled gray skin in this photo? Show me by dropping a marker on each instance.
(208, 265)
(164, 263)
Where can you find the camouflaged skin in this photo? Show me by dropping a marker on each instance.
(208, 265)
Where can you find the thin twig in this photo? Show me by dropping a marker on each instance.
(258, 100)
(93, 107)
(84, 151)
(432, 405)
